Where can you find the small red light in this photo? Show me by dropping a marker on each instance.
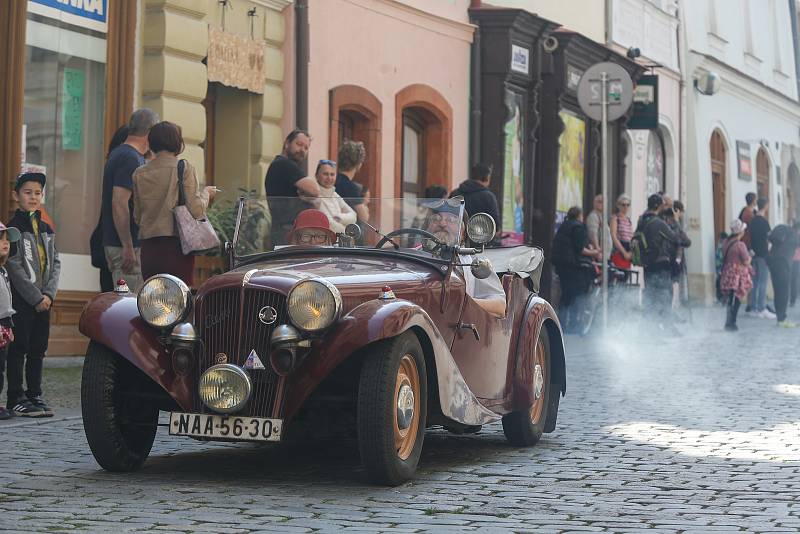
(386, 289)
(121, 282)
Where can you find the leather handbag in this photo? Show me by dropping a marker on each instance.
(196, 235)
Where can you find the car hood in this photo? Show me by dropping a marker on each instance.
(351, 274)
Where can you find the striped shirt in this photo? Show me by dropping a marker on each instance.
(624, 228)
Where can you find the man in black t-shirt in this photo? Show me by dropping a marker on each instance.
(289, 189)
(120, 233)
(759, 243)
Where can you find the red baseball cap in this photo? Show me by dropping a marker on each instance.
(312, 219)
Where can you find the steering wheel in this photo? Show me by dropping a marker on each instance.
(413, 231)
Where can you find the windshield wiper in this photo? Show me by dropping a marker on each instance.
(387, 238)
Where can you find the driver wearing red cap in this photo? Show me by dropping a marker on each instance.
(311, 227)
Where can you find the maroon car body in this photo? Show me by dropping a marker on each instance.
(478, 368)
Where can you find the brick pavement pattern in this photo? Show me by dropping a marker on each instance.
(697, 434)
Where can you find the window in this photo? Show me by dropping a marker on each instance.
(63, 124)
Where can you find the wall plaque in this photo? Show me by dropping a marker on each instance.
(235, 61)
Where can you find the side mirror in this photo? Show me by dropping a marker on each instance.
(481, 228)
(481, 268)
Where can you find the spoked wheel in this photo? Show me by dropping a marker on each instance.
(120, 427)
(392, 408)
(525, 428)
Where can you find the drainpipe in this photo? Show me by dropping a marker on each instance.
(796, 40)
(301, 63)
(475, 96)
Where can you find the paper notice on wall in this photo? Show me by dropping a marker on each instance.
(72, 109)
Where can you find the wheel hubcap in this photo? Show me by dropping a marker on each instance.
(406, 404)
(539, 385)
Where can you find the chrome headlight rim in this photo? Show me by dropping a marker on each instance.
(186, 300)
(337, 301)
(236, 370)
(481, 219)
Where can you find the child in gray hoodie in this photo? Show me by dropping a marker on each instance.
(7, 236)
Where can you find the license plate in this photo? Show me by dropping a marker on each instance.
(201, 425)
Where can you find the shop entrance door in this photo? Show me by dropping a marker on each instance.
(762, 173)
(718, 176)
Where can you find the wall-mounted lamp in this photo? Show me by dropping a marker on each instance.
(707, 84)
(633, 52)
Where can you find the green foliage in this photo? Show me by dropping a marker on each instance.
(256, 223)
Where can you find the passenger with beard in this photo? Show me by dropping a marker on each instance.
(289, 189)
(488, 293)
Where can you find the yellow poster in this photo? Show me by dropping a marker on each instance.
(572, 144)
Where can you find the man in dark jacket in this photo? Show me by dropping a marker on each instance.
(570, 245)
(783, 241)
(657, 259)
(759, 243)
(477, 196)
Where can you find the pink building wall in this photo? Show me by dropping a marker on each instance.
(384, 46)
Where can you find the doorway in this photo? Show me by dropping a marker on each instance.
(718, 179)
(762, 173)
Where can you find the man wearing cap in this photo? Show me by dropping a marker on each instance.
(120, 232)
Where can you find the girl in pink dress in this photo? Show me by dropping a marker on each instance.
(736, 281)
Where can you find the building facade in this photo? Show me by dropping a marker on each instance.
(742, 129)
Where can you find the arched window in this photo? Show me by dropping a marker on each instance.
(718, 178)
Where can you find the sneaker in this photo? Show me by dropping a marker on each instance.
(766, 314)
(25, 408)
(5, 413)
(731, 328)
(39, 403)
(787, 324)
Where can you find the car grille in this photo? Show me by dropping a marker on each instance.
(229, 324)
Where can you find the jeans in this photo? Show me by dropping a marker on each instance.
(781, 271)
(658, 292)
(574, 285)
(26, 352)
(134, 277)
(757, 300)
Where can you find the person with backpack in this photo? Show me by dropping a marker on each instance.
(735, 281)
(654, 244)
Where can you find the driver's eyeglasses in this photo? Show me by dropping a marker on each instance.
(307, 238)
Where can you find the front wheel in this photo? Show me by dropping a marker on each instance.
(392, 408)
(525, 428)
(120, 427)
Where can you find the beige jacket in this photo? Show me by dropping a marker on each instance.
(338, 212)
(155, 194)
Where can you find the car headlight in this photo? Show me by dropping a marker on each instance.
(225, 388)
(481, 228)
(163, 301)
(314, 305)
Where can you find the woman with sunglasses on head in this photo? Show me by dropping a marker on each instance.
(622, 233)
(339, 213)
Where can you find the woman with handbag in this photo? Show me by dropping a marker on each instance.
(622, 233)
(161, 188)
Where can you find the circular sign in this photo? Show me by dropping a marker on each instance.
(619, 89)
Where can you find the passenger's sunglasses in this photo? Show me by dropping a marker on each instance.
(327, 162)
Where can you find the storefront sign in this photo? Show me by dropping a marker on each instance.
(72, 90)
(236, 61)
(572, 148)
(513, 199)
(86, 13)
(645, 104)
(744, 161)
(520, 59)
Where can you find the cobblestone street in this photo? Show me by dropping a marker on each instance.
(700, 434)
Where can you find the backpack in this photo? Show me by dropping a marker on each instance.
(640, 250)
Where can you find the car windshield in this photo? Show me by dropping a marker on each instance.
(423, 226)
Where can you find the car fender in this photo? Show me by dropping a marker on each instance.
(113, 320)
(376, 320)
(538, 314)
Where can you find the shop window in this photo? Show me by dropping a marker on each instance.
(63, 124)
(656, 169)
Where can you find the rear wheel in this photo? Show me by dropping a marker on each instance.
(120, 426)
(525, 428)
(392, 408)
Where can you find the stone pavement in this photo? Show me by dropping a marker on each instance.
(693, 434)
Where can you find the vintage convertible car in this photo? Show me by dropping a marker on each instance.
(375, 336)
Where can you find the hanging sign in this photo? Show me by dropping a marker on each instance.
(645, 104)
(72, 88)
(236, 61)
(743, 160)
(520, 59)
